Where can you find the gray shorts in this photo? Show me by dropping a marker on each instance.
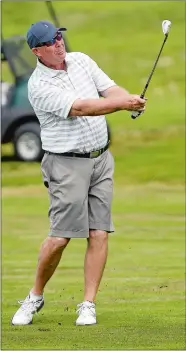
(80, 191)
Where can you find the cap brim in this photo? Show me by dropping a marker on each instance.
(50, 35)
(61, 29)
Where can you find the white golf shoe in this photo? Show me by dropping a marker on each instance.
(87, 313)
(25, 313)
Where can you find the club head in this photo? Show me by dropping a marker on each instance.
(166, 24)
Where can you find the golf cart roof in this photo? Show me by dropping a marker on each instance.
(21, 60)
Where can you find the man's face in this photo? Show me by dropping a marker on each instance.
(52, 54)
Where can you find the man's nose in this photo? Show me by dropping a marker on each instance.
(59, 43)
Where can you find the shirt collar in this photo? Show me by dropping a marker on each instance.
(53, 72)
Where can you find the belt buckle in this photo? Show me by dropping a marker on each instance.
(94, 154)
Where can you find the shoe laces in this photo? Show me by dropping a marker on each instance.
(83, 307)
(28, 305)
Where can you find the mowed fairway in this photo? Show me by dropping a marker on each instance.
(140, 304)
(141, 300)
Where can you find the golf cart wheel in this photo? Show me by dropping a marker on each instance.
(27, 142)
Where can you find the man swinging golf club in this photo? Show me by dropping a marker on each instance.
(77, 166)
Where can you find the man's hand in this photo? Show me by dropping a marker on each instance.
(134, 103)
(129, 102)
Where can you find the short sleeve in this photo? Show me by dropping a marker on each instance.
(101, 80)
(52, 99)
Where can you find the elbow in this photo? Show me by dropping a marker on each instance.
(76, 109)
(83, 108)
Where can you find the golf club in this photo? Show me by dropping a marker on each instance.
(165, 27)
(53, 15)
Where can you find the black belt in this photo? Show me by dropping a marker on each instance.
(92, 154)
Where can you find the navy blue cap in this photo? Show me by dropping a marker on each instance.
(41, 32)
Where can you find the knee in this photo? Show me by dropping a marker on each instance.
(98, 237)
(57, 243)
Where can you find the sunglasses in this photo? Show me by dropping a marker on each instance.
(52, 41)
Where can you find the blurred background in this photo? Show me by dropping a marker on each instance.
(145, 269)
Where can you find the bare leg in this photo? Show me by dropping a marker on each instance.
(95, 260)
(49, 257)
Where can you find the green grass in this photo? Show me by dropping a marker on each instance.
(141, 301)
(140, 304)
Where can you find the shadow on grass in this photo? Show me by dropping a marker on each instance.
(13, 158)
(9, 158)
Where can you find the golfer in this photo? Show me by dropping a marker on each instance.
(64, 91)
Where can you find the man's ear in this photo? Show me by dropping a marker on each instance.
(36, 52)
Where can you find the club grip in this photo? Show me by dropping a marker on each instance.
(136, 114)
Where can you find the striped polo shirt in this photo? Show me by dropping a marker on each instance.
(52, 94)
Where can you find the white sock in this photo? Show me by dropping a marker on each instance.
(89, 302)
(35, 297)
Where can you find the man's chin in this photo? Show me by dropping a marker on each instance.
(61, 57)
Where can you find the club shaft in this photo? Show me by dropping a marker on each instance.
(151, 74)
(52, 13)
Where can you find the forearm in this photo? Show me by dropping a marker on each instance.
(115, 91)
(96, 107)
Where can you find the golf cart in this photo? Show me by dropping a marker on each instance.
(19, 124)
